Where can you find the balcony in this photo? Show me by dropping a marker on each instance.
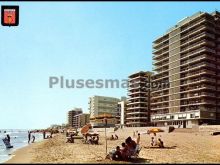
(197, 73)
(197, 51)
(137, 107)
(195, 59)
(137, 102)
(138, 97)
(197, 66)
(135, 112)
(135, 122)
(138, 117)
(136, 77)
(137, 92)
(197, 44)
(195, 81)
(199, 87)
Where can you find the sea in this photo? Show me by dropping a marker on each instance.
(19, 139)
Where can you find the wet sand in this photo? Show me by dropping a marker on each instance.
(181, 148)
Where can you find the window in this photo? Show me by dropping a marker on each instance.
(192, 115)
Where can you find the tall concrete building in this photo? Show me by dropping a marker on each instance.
(188, 57)
(71, 114)
(138, 107)
(102, 105)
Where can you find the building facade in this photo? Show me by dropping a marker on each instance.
(102, 105)
(80, 120)
(138, 106)
(187, 56)
(71, 114)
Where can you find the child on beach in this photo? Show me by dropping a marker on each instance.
(117, 155)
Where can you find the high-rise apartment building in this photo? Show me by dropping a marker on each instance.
(188, 57)
(71, 114)
(138, 107)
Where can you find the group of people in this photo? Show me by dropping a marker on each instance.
(114, 138)
(155, 142)
(127, 149)
(94, 139)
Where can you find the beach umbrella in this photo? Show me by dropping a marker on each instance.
(155, 130)
(85, 128)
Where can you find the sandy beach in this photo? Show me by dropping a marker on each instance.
(194, 147)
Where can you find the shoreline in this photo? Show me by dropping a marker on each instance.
(23, 154)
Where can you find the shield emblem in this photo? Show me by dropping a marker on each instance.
(10, 15)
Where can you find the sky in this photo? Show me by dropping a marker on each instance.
(77, 40)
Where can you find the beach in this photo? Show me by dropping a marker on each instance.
(195, 147)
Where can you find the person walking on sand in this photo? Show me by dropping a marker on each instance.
(44, 134)
(29, 137)
(138, 139)
(33, 138)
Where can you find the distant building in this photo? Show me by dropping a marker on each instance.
(80, 120)
(102, 105)
(138, 107)
(71, 115)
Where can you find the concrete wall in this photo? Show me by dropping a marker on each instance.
(209, 128)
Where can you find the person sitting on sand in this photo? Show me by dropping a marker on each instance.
(132, 142)
(160, 143)
(131, 145)
(117, 155)
(95, 140)
(152, 141)
(116, 136)
(112, 137)
(124, 151)
(71, 138)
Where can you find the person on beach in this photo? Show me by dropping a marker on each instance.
(112, 137)
(138, 138)
(44, 134)
(124, 151)
(131, 145)
(117, 155)
(116, 136)
(33, 138)
(29, 137)
(96, 141)
(160, 143)
(155, 139)
(152, 141)
(51, 133)
(8, 138)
